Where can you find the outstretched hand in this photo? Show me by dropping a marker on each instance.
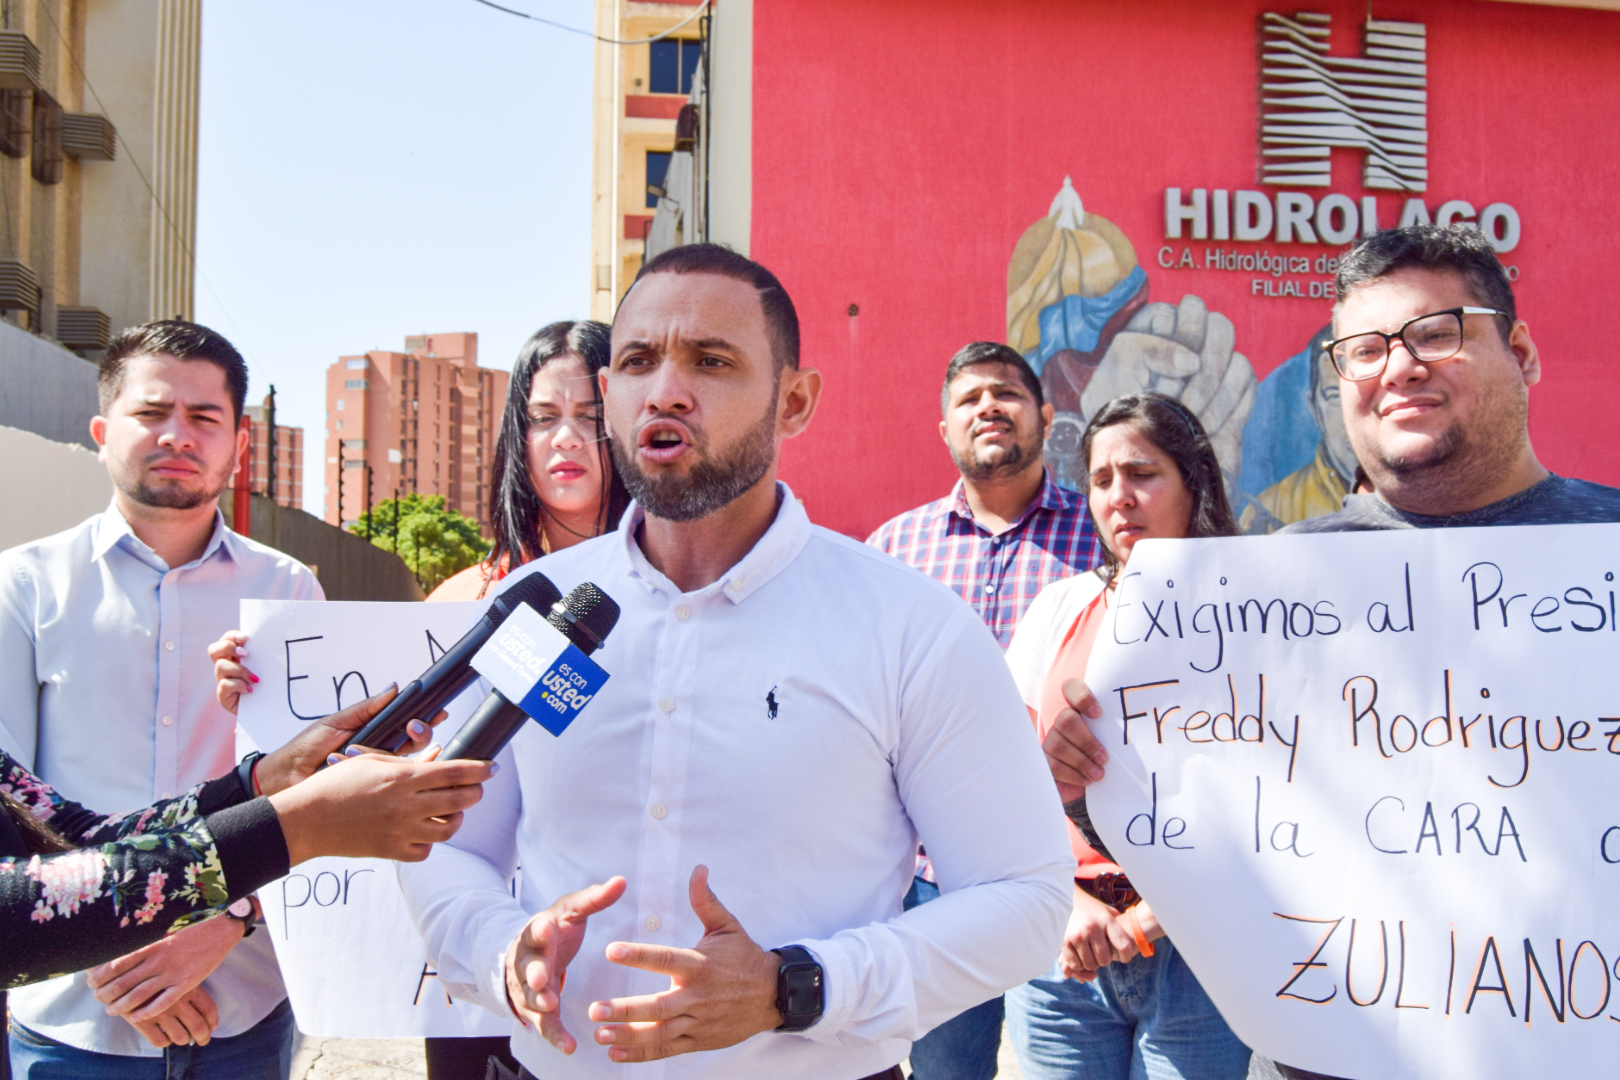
(538, 958)
(721, 992)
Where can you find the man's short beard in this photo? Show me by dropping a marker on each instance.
(1438, 453)
(711, 485)
(172, 498)
(1015, 461)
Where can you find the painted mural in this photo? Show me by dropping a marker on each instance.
(1078, 307)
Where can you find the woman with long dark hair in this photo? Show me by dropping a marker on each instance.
(1120, 1001)
(554, 487)
(554, 484)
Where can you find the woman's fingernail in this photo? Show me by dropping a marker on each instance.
(255, 678)
(353, 751)
(333, 759)
(494, 767)
(417, 727)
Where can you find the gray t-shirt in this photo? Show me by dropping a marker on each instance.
(1557, 500)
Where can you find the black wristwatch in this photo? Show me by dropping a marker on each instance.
(800, 988)
(245, 913)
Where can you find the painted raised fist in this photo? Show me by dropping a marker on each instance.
(1186, 352)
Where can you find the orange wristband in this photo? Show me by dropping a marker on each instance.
(1142, 942)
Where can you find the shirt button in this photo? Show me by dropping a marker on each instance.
(659, 811)
(168, 721)
(169, 645)
(990, 589)
(668, 704)
(683, 613)
(654, 922)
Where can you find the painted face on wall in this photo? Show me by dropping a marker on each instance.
(1136, 490)
(1469, 412)
(170, 438)
(691, 394)
(1329, 412)
(566, 456)
(992, 424)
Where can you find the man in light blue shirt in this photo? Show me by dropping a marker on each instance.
(107, 691)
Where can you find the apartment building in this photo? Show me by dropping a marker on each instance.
(422, 420)
(98, 164)
(278, 456)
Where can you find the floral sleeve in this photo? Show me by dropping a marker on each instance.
(138, 876)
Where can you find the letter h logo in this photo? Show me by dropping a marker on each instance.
(1311, 102)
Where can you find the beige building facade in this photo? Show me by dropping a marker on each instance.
(98, 164)
(424, 420)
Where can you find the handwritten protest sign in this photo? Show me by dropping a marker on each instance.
(1368, 782)
(353, 962)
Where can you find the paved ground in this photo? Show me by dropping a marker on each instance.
(401, 1059)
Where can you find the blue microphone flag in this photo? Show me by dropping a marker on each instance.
(539, 670)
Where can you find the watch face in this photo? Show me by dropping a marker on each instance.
(803, 990)
(242, 909)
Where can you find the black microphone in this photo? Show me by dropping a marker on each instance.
(585, 618)
(452, 673)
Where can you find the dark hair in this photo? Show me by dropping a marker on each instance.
(179, 339)
(1172, 427)
(991, 352)
(1460, 249)
(516, 511)
(781, 319)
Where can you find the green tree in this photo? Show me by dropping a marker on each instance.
(435, 541)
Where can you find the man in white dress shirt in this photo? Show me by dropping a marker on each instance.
(107, 691)
(788, 712)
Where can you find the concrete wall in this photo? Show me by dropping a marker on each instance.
(46, 486)
(45, 389)
(349, 568)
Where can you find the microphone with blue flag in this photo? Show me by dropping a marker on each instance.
(541, 669)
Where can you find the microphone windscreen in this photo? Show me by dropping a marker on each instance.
(536, 590)
(586, 616)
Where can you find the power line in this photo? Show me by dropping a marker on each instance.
(587, 33)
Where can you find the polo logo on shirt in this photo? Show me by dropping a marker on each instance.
(770, 704)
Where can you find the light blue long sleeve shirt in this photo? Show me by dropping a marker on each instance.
(107, 692)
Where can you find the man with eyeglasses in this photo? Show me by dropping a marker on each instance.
(1435, 369)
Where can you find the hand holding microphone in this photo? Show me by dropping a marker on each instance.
(452, 673)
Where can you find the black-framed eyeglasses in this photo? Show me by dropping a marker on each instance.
(1430, 338)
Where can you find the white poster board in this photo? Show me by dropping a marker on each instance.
(1370, 784)
(353, 962)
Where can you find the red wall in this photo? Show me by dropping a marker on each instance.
(901, 148)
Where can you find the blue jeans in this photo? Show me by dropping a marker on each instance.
(263, 1052)
(1145, 1020)
(965, 1046)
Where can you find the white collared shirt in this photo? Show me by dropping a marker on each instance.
(795, 726)
(107, 692)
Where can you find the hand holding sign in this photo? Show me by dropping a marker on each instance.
(1074, 753)
(721, 992)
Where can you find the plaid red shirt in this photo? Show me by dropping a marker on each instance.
(998, 575)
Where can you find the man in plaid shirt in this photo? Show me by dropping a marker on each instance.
(1003, 533)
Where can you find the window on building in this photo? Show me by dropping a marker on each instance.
(657, 173)
(341, 405)
(47, 166)
(16, 108)
(673, 62)
(359, 363)
(354, 384)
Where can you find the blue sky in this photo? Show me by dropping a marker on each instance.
(371, 169)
